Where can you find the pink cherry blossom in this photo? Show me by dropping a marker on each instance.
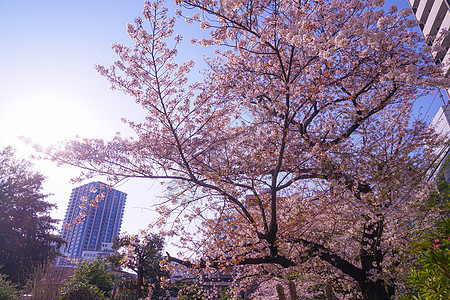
(296, 156)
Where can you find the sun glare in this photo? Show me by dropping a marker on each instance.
(46, 120)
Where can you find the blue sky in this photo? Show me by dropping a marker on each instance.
(50, 91)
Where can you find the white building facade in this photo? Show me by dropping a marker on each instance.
(434, 20)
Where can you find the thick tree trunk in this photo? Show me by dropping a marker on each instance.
(376, 290)
(371, 259)
(280, 292)
(140, 282)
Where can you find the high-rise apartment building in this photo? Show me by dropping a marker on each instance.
(93, 218)
(434, 22)
(441, 124)
(434, 19)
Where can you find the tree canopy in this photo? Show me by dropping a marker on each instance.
(142, 254)
(296, 156)
(27, 232)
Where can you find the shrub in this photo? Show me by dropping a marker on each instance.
(97, 273)
(8, 290)
(81, 290)
(46, 280)
(431, 279)
(92, 280)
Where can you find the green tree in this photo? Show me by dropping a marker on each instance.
(142, 254)
(81, 290)
(8, 290)
(91, 280)
(431, 278)
(26, 228)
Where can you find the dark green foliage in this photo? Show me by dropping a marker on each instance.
(431, 279)
(81, 290)
(127, 289)
(96, 273)
(26, 228)
(92, 280)
(8, 290)
(144, 261)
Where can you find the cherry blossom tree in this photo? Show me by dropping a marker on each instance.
(295, 157)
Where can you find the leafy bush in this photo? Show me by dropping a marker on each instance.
(81, 290)
(8, 290)
(92, 280)
(431, 279)
(97, 273)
